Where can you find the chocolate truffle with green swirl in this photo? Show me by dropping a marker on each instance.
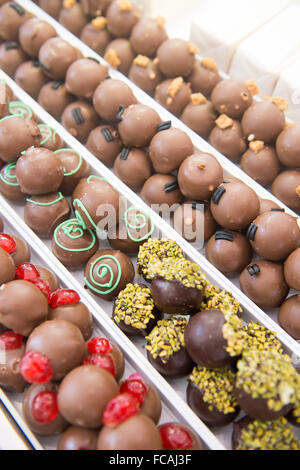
(44, 213)
(108, 272)
(166, 348)
(210, 395)
(97, 204)
(49, 138)
(134, 310)
(17, 135)
(177, 286)
(9, 185)
(75, 168)
(73, 245)
(22, 110)
(135, 228)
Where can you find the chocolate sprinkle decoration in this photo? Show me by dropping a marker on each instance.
(223, 235)
(251, 232)
(11, 45)
(107, 134)
(171, 186)
(17, 8)
(120, 113)
(275, 209)
(124, 154)
(163, 126)
(47, 69)
(218, 194)
(56, 84)
(253, 270)
(77, 115)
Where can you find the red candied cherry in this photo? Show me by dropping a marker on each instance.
(175, 437)
(120, 408)
(27, 272)
(7, 243)
(44, 286)
(103, 361)
(63, 296)
(44, 407)
(99, 346)
(36, 368)
(135, 385)
(11, 340)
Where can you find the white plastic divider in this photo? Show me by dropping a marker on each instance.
(140, 363)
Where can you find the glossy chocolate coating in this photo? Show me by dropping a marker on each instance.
(267, 288)
(120, 21)
(190, 221)
(229, 141)
(17, 135)
(75, 168)
(236, 207)
(10, 377)
(262, 166)
(119, 54)
(57, 55)
(138, 125)
(199, 176)
(11, 56)
(32, 35)
(8, 268)
(118, 358)
(211, 417)
(63, 344)
(84, 394)
(203, 79)
(169, 148)
(231, 97)
(52, 7)
(44, 213)
(97, 39)
(11, 19)
(109, 96)
(39, 171)
(204, 340)
(108, 272)
(83, 77)
(145, 75)
(48, 276)
(135, 169)
(54, 427)
(55, 98)
(178, 365)
(147, 35)
(292, 270)
(159, 189)
(289, 316)
(77, 438)
(73, 18)
(200, 118)
(151, 406)
(22, 306)
(175, 58)
(79, 118)
(264, 121)
(288, 146)
(230, 252)
(6, 96)
(174, 298)
(267, 205)
(286, 187)
(136, 433)
(9, 186)
(104, 142)
(277, 235)
(78, 314)
(174, 102)
(22, 253)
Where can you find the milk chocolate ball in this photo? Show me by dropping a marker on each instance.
(173, 94)
(204, 76)
(22, 306)
(138, 124)
(228, 139)
(22, 252)
(95, 7)
(147, 35)
(169, 148)
(263, 282)
(104, 142)
(161, 189)
(77, 438)
(77, 314)
(31, 78)
(261, 163)
(234, 205)
(39, 171)
(119, 54)
(274, 235)
(83, 77)
(11, 56)
(55, 56)
(75, 168)
(176, 58)
(145, 74)
(231, 97)
(199, 175)
(289, 316)
(84, 394)
(12, 16)
(288, 146)
(32, 35)
(286, 187)
(17, 135)
(121, 17)
(79, 118)
(109, 96)
(49, 276)
(52, 7)
(10, 377)
(73, 18)
(8, 268)
(9, 186)
(264, 121)
(292, 270)
(96, 36)
(199, 115)
(133, 167)
(54, 98)
(193, 221)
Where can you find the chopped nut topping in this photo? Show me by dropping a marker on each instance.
(112, 58)
(252, 87)
(153, 251)
(141, 60)
(256, 146)
(215, 298)
(134, 306)
(161, 21)
(280, 102)
(192, 48)
(166, 338)
(175, 86)
(209, 63)
(99, 22)
(198, 98)
(125, 5)
(223, 122)
(68, 4)
(260, 338)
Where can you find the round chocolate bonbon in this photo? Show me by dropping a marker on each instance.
(79, 118)
(286, 187)
(49, 138)
(231, 97)
(11, 56)
(95, 35)
(161, 190)
(30, 77)
(263, 120)
(83, 77)
(119, 54)
(72, 17)
(75, 168)
(289, 316)
(77, 438)
(176, 58)
(12, 16)
(55, 57)
(77, 313)
(227, 137)
(199, 115)
(145, 73)
(17, 135)
(288, 146)
(133, 167)
(9, 186)
(173, 94)
(104, 142)
(55, 98)
(261, 163)
(138, 124)
(292, 270)
(121, 17)
(204, 76)
(48, 276)
(193, 220)
(32, 35)
(8, 267)
(147, 35)
(109, 96)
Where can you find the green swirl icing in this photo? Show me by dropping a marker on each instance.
(101, 271)
(80, 160)
(79, 217)
(8, 176)
(141, 219)
(73, 230)
(89, 179)
(51, 203)
(51, 133)
(19, 109)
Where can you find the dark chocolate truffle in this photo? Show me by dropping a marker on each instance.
(169, 148)
(204, 76)
(54, 98)
(133, 167)
(288, 146)
(104, 142)
(231, 97)
(121, 17)
(39, 171)
(287, 188)
(22, 252)
(8, 267)
(161, 190)
(263, 282)
(227, 138)
(78, 314)
(11, 56)
(230, 252)
(9, 186)
(194, 222)
(55, 56)
(119, 54)
(274, 235)
(147, 35)
(12, 16)
(95, 35)
(79, 118)
(72, 17)
(78, 438)
(289, 316)
(83, 77)
(108, 272)
(32, 35)
(261, 163)
(109, 96)
(11, 356)
(84, 394)
(234, 205)
(138, 124)
(48, 276)
(17, 135)
(292, 270)
(199, 176)
(145, 74)
(174, 94)
(199, 115)
(176, 58)
(75, 168)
